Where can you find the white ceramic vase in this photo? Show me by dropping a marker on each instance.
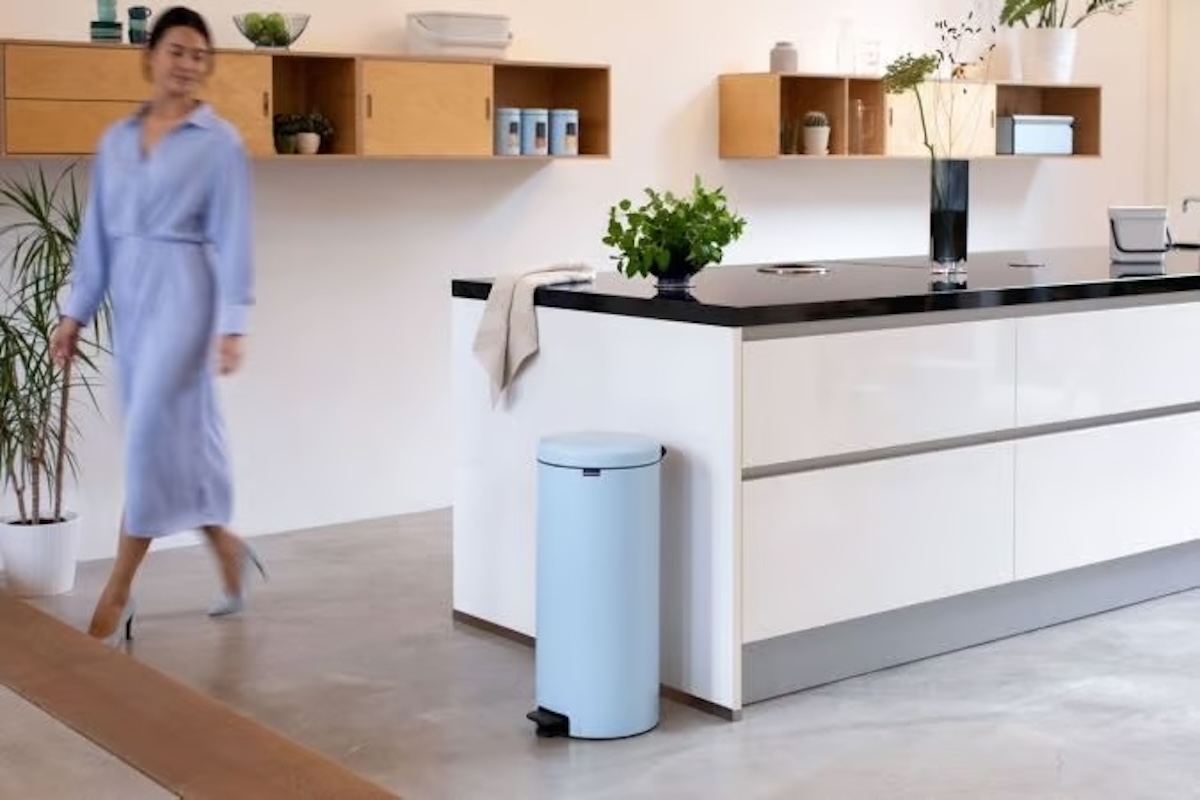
(816, 140)
(39, 560)
(308, 143)
(1047, 55)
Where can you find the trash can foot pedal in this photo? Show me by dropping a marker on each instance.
(549, 723)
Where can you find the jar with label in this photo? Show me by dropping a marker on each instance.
(508, 132)
(564, 132)
(535, 139)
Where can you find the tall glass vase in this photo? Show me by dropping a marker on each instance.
(948, 206)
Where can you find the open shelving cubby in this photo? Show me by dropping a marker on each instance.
(303, 84)
(1081, 102)
(550, 86)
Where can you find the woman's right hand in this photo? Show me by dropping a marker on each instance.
(64, 341)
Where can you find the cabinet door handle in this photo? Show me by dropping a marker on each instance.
(370, 106)
(266, 104)
(487, 108)
(993, 118)
(891, 118)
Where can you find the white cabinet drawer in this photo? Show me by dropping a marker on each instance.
(1093, 363)
(813, 396)
(1093, 495)
(835, 544)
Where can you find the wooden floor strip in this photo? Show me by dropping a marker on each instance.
(189, 743)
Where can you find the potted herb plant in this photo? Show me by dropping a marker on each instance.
(313, 129)
(816, 133)
(1046, 33)
(302, 133)
(672, 237)
(38, 544)
(936, 108)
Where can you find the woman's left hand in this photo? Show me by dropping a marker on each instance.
(229, 354)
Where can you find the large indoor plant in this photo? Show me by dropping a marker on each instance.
(1045, 33)
(41, 221)
(940, 106)
(672, 237)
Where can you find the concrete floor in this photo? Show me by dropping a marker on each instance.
(350, 649)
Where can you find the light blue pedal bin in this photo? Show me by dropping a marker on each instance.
(598, 531)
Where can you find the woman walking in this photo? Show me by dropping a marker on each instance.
(167, 236)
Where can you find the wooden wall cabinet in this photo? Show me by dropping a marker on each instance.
(960, 117)
(761, 115)
(426, 109)
(58, 98)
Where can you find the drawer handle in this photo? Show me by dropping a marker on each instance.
(266, 104)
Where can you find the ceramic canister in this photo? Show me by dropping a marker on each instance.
(106, 10)
(508, 132)
(138, 16)
(535, 140)
(564, 132)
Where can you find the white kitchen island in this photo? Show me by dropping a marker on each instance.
(863, 468)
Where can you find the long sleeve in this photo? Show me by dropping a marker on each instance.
(230, 230)
(90, 266)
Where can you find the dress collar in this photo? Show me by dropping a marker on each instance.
(202, 115)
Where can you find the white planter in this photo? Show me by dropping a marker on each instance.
(308, 143)
(39, 560)
(816, 141)
(1047, 55)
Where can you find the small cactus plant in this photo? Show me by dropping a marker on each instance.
(816, 119)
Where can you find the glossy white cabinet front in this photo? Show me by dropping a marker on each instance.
(1095, 363)
(814, 396)
(1089, 496)
(835, 544)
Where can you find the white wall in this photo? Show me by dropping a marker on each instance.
(343, 411)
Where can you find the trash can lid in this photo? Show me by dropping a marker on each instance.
(599, 450)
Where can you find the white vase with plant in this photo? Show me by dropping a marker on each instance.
(816, 133)
(38, 545)
(1046, 34)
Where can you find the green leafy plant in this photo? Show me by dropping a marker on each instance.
(670, 234)
(909, 72)
(1056, 13)
(314, 122)
(816, 119)
(36, 423)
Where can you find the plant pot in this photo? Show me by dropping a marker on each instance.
(679, 276)
(39, 560)
(816, 141)
(308, 143)
(285, 144)
(949, 196)
(1047, 55)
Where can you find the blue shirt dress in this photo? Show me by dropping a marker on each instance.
(168, 237)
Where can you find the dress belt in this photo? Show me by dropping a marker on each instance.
(169, 238)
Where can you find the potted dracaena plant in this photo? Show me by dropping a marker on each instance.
(672, 237)
(1046, 33)
(942, 105)
(41, 220)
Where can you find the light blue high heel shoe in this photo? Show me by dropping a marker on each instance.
(124, 631)
(232, 604)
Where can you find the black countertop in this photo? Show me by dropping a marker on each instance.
(743, 296)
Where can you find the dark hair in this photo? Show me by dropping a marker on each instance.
(178, 17)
